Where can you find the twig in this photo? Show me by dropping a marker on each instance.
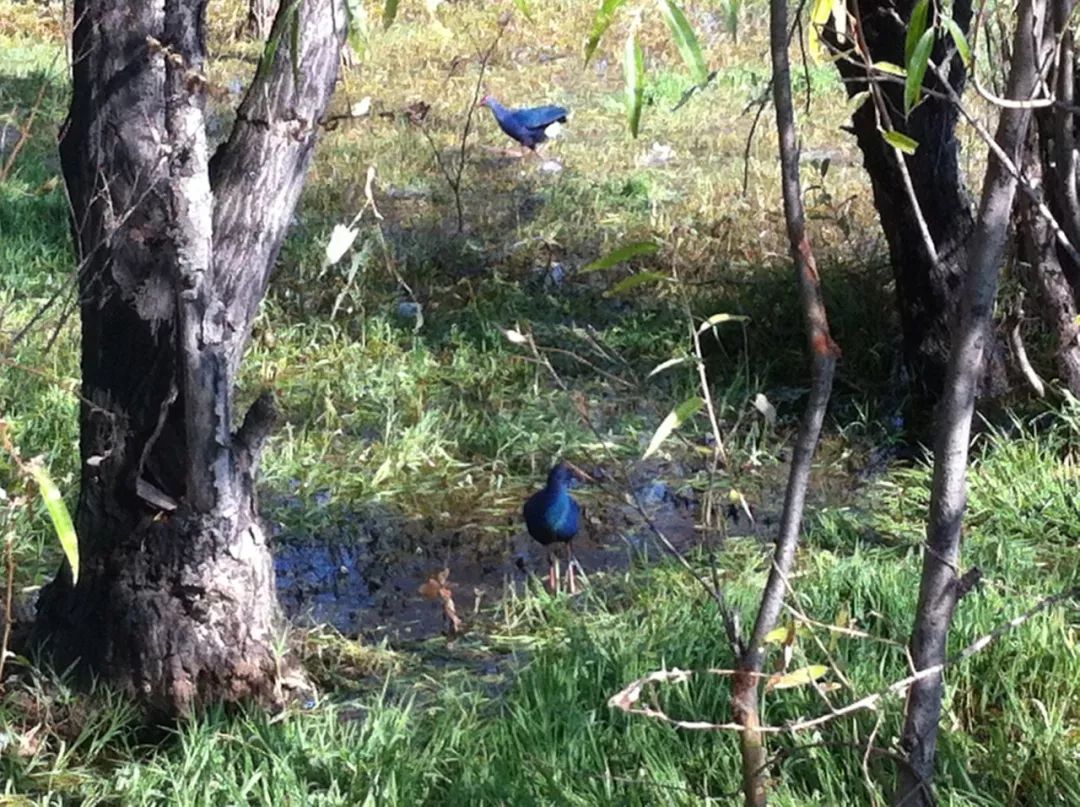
(627, 698)
(453, 177)
(24, 131)
(9, 589)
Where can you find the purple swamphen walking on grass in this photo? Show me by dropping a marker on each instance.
(530, 127)
(552, 517)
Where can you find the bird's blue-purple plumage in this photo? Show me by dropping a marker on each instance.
(551, 514)
(527, 126)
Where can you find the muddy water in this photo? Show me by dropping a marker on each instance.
(364, 577)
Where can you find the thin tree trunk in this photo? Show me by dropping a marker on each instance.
(823, 356)
(940, 587)
(175, 600)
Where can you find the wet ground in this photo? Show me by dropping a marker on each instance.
(365, 577)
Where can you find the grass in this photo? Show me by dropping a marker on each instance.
(447, 424)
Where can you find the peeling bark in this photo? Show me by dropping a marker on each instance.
(175, 600)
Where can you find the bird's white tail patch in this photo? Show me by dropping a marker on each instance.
(553, 130)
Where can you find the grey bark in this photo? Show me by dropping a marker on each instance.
(823, 357)
(175, 599)
(1051, 272)
(940, 588)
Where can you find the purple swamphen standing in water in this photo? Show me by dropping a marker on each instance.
(552, 517)
(530, 127)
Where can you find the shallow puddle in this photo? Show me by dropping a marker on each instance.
(365, 578)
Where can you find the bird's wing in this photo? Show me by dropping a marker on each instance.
(541, 116)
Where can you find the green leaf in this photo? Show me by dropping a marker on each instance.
(958, 37)
(523, 7)
(916, 28)
(819, 15)
(621, 255)
(917, 70)
(900, 141)
(634, 68)
(719, 319)
(857, 100)
(634, 281)
(685, 39)
(665, 365)
(294, 44)
(679, 415)
(273, 42)
(604, 17)
(389, 12)
(58, 512)
(796, 678)
(889, 67)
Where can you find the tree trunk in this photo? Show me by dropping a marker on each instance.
(260, 17)
(823, 357)
(941, 585)
(927, 285)
(1052, 273)
(175, 600)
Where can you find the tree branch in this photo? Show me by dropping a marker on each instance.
(267, 155)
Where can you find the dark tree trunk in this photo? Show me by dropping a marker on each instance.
(927, 287)
(175, 599)
(1051, 272)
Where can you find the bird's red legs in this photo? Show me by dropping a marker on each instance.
(553, 574)
(570, 561)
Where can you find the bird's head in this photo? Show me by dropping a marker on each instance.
(486, 101)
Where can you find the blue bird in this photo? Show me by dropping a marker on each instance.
(530, 127)
(552, 517)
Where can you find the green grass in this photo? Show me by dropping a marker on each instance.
(449, 423)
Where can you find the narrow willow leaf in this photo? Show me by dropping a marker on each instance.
(622, 254)
(819, 16)
(58, 512)
(666, 365)
(389, 13)
(797, 678)
(632, 282)
(294, 44)
(523, 7)
(916, 28)
(959, 39)
(900, 141)
(604, 16)
(273, 42)
(920, 59)
(679, 415)
(720, 319)
(890, 68)
(634, 68)
(857, 100)
(685, 40)
(777, 635)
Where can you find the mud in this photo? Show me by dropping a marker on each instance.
(364, 577)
